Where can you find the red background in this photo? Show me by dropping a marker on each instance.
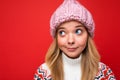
(25, 38)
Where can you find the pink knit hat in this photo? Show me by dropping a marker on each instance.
(71, 10)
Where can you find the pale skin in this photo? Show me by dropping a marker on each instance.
(72, 38)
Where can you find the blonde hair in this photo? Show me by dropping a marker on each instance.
(90, 60)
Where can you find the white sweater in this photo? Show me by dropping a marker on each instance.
(72, 68)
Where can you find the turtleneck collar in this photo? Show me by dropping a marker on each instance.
(71, 61)
(72, 67)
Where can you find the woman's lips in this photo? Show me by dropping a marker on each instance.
(71, 49)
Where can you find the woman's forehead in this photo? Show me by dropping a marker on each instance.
(69, 24)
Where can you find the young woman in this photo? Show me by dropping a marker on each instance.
(73, 55)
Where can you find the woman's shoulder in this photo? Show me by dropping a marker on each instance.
(105, 72)
(42, 73)
(102, 66)
(44, 66)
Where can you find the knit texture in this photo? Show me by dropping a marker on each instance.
(104, 73)
(71, 10)
(72, 67)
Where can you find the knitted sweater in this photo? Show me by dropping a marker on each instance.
(72, 71)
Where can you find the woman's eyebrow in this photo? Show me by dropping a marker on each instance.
(79, 26)
(60, 28)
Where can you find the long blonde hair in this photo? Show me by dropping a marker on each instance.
(90, 60)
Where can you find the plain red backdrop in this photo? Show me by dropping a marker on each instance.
(25, 36)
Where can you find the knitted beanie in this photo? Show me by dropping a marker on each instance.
(71, 10)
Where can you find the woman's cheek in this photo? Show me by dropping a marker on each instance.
(61, 41)
(82, 41)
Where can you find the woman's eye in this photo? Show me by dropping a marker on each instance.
(62, 33)
(78, 31)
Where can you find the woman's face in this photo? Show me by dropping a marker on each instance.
(72, 38)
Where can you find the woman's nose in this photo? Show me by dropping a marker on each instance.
(71, 39)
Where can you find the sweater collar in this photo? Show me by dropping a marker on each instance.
(68, 60)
